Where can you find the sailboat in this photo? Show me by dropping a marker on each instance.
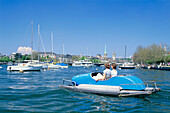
(62, 65)
(38, 63)
(127, 65)
(52, 65)
(26, 66)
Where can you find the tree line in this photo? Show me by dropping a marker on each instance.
(152, 54)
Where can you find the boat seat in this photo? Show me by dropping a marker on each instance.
(96, 76)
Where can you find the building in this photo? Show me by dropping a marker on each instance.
(15, 56)
(114, 56)
(49, 54)
(64, 58)
(105, 53)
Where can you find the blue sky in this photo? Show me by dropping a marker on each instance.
(82, 24)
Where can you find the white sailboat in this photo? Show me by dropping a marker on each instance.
(62, 65)
(38, 63)
(26, 66)
(52, 65)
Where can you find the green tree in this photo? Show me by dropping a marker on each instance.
(150, 54)
(28, 57)
(75, 58)
(6, 59)
(17, 56)
(95, 61)
(82, 58)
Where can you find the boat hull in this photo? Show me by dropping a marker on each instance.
(115, 86)
(53, 66)
(127, 67)
(109, 90)
(167, 68)
(24, 68)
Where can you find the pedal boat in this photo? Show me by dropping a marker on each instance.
(115, 86)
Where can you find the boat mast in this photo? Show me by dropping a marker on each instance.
(63, 53)
(87, 51)
(125, 52)
(31, 39)
(52, 43)
(38, 40)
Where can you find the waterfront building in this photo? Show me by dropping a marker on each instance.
(64, 58)
(15, 56)
(49, 54)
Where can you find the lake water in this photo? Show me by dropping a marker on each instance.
(39, 92)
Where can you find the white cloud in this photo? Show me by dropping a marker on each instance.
(24, 50)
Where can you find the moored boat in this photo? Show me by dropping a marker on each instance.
(167, 68)
(53, 66)
(82, 63)
(62, 65)
(127, 65)
(24, 67)
(115, 86)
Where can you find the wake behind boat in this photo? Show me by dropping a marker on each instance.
(115, 86)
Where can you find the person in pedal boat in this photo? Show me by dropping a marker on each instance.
(114, 71)
(106, 73)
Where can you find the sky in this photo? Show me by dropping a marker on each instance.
(84, 26)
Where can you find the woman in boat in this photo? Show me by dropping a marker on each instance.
(114, 71)
(106, 73)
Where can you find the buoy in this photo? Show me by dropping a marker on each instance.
(48, 68)
(21, 71)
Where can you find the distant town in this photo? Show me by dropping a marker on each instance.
(58, 58)
(152, 54)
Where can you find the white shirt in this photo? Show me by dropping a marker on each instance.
(108, 73)
(113, 73)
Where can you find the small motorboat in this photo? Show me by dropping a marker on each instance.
(115, 86)
(24, 67)
(62, 65)
(127, 65)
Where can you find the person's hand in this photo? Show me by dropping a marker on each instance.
(96, 80)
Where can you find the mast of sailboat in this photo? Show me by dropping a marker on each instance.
(52, 43)
(38, 40)
(87, 51)
(63, 54)
(125, 52)
(31, 39)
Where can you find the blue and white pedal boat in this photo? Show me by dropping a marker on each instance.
(115, 86)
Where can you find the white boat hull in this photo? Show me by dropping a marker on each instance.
(109, 90)
(63, 67)
(53, 66)
(24, 68)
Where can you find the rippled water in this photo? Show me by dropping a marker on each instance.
(39, 92)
